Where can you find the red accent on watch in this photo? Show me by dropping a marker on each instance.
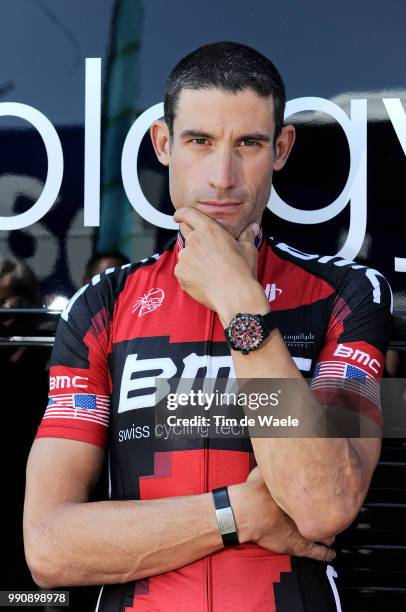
(246, 331)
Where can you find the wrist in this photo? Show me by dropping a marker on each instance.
(242, 499)
(251, 298)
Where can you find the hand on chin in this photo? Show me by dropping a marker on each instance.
(215, 266)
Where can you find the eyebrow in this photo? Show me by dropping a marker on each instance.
(256, 136)
(197, 134)
(194, 134)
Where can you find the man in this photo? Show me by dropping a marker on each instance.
(164, 541)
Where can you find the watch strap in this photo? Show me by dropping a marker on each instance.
(225, 517)
(269, 321)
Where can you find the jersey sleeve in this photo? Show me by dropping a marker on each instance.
(351, 362)
(79, 382)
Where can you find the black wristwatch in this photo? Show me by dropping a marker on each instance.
(246, 332)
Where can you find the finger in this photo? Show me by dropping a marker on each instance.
(318, 552)
(185, 229)
(194, 218)
(328, 541)
(249, 234)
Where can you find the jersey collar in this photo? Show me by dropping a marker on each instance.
(258, 239)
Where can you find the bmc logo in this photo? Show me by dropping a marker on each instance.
(140, 375)
(145, 382)
(358, 356)
(65, 382)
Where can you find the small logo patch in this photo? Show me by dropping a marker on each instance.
(149, 301)
(272, 291)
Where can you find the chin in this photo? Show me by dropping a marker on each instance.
(232, 228)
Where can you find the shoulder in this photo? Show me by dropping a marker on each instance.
(353, 282)
(85, 324)
(101, 293)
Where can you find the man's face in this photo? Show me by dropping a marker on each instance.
(221, 155)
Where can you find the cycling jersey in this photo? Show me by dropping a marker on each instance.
(135, 323)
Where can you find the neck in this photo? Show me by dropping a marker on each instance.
(181, 240)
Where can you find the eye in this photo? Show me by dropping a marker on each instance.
(200, 141)
(249, 143)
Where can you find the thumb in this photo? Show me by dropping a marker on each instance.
(319, 553)
(249, 234)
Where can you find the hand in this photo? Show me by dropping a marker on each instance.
(262, 521)
(214, 268)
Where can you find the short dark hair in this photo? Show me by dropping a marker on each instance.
(228, 66)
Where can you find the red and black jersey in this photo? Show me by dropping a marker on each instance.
(134, 324)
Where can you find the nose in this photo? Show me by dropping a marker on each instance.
(224, 169)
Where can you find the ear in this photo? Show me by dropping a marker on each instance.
(159, 133)
(284, 146)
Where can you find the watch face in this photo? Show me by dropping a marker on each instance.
(246, 332)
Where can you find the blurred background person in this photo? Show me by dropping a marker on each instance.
(99, 262)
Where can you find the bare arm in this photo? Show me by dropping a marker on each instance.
(328, 477)
(320, 483)
(70, 541)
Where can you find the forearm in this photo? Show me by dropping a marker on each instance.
(317, 481)
(119, 541)
(82, 543)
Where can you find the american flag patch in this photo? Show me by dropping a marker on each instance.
(344, 376)
(82, 406)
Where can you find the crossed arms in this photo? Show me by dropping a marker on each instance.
(72, 541)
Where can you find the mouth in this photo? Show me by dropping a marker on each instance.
(216, 206)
